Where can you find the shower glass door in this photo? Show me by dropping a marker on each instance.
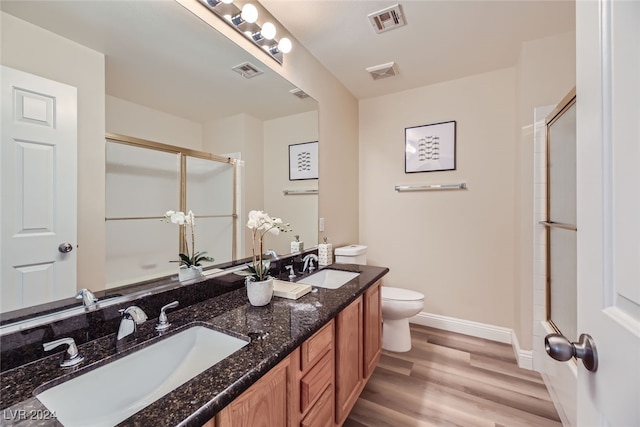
(561, 219)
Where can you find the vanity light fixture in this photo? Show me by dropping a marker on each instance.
(245, 22)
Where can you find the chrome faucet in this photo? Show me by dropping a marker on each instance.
(131, 318)
(71, 356)
(308, 262)
(292, 274)
(87, 297)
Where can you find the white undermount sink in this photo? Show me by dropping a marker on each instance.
(117, 390)
(330, 279)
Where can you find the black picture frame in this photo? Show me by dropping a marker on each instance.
(303, 161)
(430, 148)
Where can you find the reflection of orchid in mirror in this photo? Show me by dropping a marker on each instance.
(260, 224)
(187, 258)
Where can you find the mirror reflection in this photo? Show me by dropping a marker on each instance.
(148, 70)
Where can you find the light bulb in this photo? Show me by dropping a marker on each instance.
(249, 13)
(285, 45)
(227, 1)
(268, 31)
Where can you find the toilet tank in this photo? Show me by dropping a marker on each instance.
(352, 254)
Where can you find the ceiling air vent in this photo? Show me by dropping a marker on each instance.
(387, 19)
(247, 70)
(383, 71)
(299, 93)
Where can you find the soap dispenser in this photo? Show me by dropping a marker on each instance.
(325, 253)
(297, 245)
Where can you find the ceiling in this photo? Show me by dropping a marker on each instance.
(442, 40)
(160, 55)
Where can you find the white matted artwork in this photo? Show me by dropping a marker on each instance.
(303, 161)
(430, 148)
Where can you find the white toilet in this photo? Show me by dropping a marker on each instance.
(398, 305)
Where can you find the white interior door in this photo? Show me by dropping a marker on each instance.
(608, 154)
(38, 201)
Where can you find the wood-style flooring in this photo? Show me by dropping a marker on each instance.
(449, 379)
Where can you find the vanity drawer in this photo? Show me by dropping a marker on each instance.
(321, 415)
(314, 382)
(315, 347)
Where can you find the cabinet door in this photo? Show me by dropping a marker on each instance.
(372, 346)
(264, 404)
(349, 380)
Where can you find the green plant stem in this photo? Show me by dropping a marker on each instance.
(193, 244)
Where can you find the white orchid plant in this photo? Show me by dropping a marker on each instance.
(260, 223)
(187, 258)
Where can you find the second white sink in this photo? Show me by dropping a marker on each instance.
(117, 390)
(330, 279)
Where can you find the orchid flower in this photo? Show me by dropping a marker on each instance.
(260, 223)
(183, 221)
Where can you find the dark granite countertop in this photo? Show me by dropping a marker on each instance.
(274, 332)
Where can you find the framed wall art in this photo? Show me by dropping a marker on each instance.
(303, 161)
(430, 148)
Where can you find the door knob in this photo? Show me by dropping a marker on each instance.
(560, 348)
(65, 247)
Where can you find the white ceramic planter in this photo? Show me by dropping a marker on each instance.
(189, 273)
(259, 293)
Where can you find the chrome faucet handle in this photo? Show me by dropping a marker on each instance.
(311, 266)
(163, 322)
(87, 297)
(71, 356)
(292, 274)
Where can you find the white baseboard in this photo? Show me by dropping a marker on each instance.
(477, 329)
(524, 357)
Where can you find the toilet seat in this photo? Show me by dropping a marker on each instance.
(398, 294)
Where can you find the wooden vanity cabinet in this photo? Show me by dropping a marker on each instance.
(319, 383)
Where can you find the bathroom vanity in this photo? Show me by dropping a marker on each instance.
(305, 363)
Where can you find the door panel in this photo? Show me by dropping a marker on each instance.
(38, 190)
(608, 155)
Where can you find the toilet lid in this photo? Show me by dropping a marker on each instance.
(399, 294)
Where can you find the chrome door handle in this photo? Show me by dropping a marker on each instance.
(65, 248)
(559, 348)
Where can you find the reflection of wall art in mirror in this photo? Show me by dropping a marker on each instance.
(303, 161)
(430, 148)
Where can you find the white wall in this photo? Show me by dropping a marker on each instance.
(301, 210)
(130, 119)
(59, 59)
(456, 247)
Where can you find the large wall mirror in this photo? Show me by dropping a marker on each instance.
(153, 71)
